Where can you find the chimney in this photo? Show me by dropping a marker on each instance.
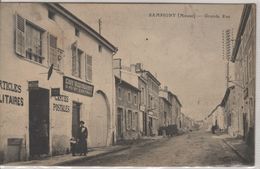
(166, 88)
(138, 67)
(132, 68)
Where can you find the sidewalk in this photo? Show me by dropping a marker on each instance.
(68, 158)
(239, 146)
(93, 153)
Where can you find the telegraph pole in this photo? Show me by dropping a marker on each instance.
(227, 36)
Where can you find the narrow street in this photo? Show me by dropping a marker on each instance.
(197, 148)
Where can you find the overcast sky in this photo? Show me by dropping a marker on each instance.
(184, 52)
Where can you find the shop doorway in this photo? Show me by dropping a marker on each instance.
(38, 122)
(75, 118)
(119, 123)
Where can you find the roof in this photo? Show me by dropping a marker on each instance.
(241, 29)
(177, 99)
(165, 100)
(224, 100)
(125, 82)
(74, 19)
(154, 78)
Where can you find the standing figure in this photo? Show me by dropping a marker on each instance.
(82, 136)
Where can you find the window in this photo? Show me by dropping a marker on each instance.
(99, 48)
(88, 67)
(135, 99)
(76, 61)
(129, 119)
(142, 95)
(28, 40)
(55, 54)
(135, 121)
(119, 92)
(77, 31)
(51, 15)
(129, 97)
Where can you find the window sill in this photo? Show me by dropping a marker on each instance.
(31, 61)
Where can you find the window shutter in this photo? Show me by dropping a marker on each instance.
(20, 35)
(74, 60)
(89, 68)
(53, 55)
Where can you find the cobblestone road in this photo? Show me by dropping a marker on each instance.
(193, 149)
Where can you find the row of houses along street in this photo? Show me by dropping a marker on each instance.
(236, 112)
(59, 71)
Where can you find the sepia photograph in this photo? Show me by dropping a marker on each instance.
(127, 84)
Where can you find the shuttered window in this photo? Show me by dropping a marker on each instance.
(20, 35)
(28, 41)
(76, 62)
(88, 67)
(55, 54)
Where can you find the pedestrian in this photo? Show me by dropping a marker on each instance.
(82, 137)
(73, 144)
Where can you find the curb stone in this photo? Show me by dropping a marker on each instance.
(90, 157)
(237, 152)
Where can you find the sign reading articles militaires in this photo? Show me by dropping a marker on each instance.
(142, 84)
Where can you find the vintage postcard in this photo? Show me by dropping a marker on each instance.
(127, 84)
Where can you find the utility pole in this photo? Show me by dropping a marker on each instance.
(227, 36)
(99, 25)
(99, 30)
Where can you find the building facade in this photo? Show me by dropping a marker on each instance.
(244, 58)
(53, 78)
(129, 117)
(176, 111)
(165, 107)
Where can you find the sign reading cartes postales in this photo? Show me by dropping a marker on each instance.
(76, 86)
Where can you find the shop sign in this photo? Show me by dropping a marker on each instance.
(33, 84)
(11, 97)
(14, 141)
(55, 91)
(76, 86)
(61, 104)
(142, 108)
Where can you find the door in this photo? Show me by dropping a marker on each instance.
(75, 118)
(99, 121)
(38, 121)
(119, 123)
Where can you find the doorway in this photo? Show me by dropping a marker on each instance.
(75, 118)
(38, 121)
(119, 123)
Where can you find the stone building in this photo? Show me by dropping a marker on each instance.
(129, 118)
(53, 74)
(244, 58)
(152, 100)
(165, 102)
(229, 105)
(176, 111)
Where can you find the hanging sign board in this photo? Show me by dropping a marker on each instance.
(76, 86)
(33, 84)
(55, 91)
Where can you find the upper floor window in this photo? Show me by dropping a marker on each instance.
(51, 15)
(77, 32)
(88, 67)
(76, 62)
(55, 54)
(129, 97)
(119, 92)
(28, 40)
(135, 99)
